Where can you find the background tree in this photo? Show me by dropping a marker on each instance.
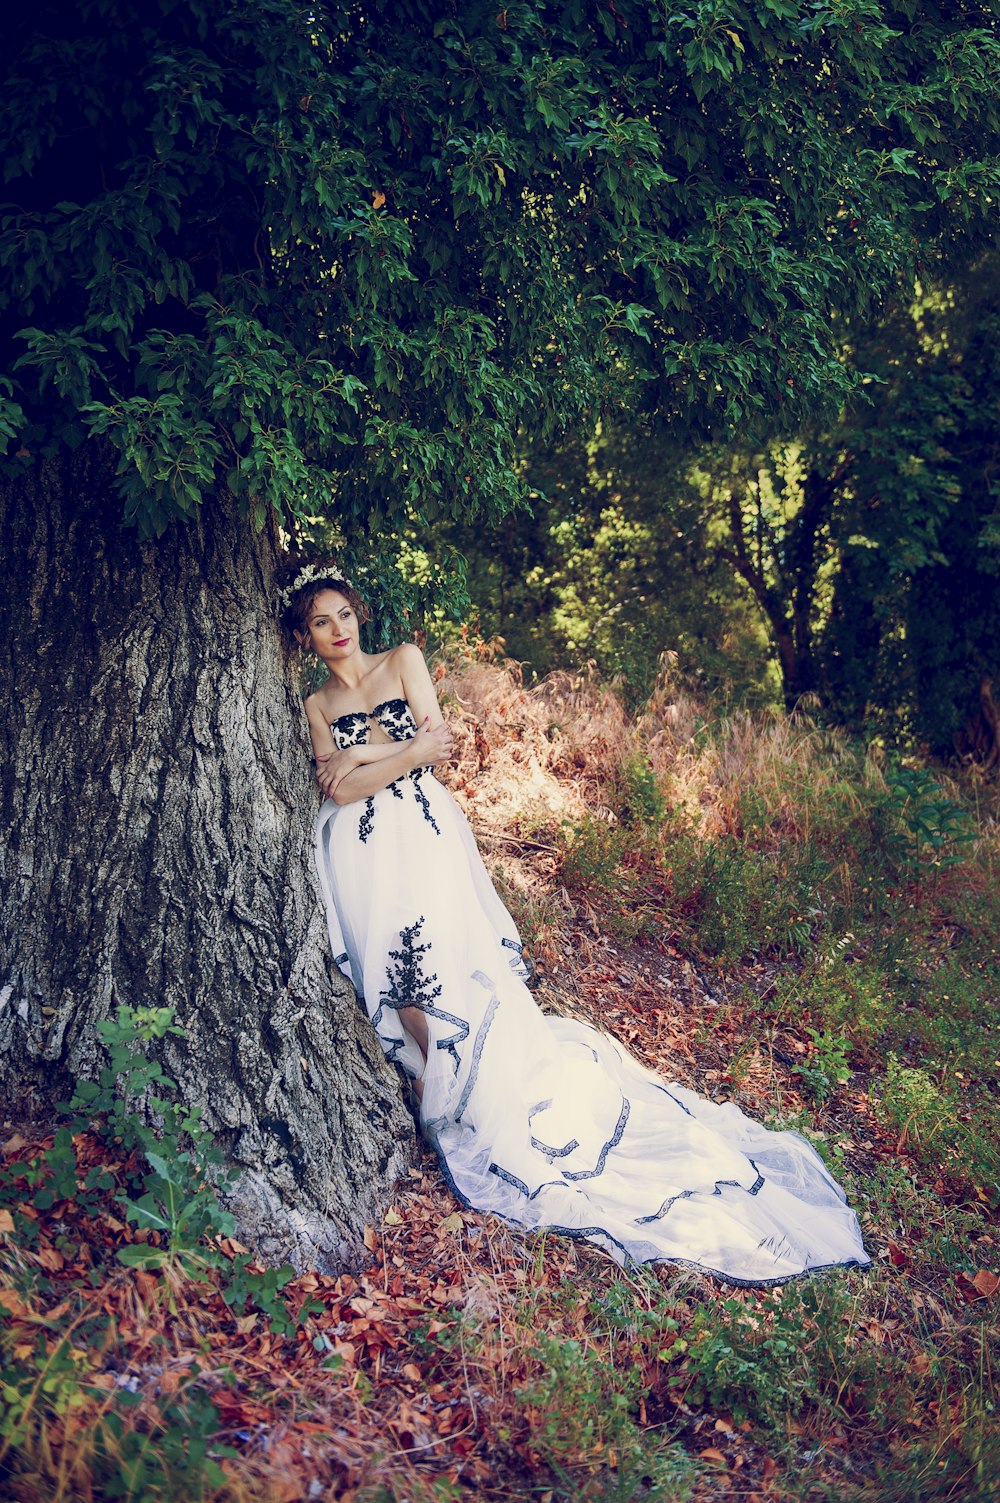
(262, 263)
(617, 561)
(866, 548)
(870, 545)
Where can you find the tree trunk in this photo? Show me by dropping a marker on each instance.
(155, 848)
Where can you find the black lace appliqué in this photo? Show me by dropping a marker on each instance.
(396, 719)
(409, 985)
(422, 799)
(350, 729)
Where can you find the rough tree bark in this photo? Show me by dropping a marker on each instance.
(155, 817)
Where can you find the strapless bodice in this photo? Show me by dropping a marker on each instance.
(393, 715)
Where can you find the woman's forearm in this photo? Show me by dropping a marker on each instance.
(333, 767)
(394, 761)
(377, 751)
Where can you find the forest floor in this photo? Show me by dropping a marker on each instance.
(754, 909)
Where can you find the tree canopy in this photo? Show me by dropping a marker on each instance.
(343, 258)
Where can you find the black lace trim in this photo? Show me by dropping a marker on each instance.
(555, 1153)
(687, 1112)
(605, 1240)
(512, 1180)
(550, 1153)
(478, 1046)
(519, 962)
(754, 1189)
(367, 821)
(612, 1142)
(602, 1238)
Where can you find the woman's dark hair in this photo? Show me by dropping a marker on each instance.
(295, 615)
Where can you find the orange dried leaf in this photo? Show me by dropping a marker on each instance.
(987, 1283)
(12, 1302)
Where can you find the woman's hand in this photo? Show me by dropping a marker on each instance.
(432, 744)
(331, 767)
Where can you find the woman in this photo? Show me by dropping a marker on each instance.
(541, 1120)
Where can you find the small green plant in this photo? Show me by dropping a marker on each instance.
(826, 1068)
(766, 1365)
(935, 824)
(741, 901)
(175, 1455)
(178, 1208)
(178, 1202)
(643, 799)
(941, 1128)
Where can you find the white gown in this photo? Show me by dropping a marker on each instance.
(543, 1120)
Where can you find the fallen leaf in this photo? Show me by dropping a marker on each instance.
(392, 1217)
(452, 1223)
(711, 1453)
(12, 1302)
(987, 1283)
(6, 1221)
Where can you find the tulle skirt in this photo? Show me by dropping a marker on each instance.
(542, 1120)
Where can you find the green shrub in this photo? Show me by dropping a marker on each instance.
(582, 1411)
(611, 867)
(767, 1366)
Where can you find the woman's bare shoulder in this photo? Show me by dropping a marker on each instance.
(407, 654)
(314, 708)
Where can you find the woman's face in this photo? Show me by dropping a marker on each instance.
(333, 626)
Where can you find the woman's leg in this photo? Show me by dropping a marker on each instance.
(415, 1024)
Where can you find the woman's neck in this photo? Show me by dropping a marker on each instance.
(349, 675)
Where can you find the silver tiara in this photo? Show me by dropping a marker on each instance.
(306, 576)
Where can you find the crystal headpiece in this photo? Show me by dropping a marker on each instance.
(306, 576)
